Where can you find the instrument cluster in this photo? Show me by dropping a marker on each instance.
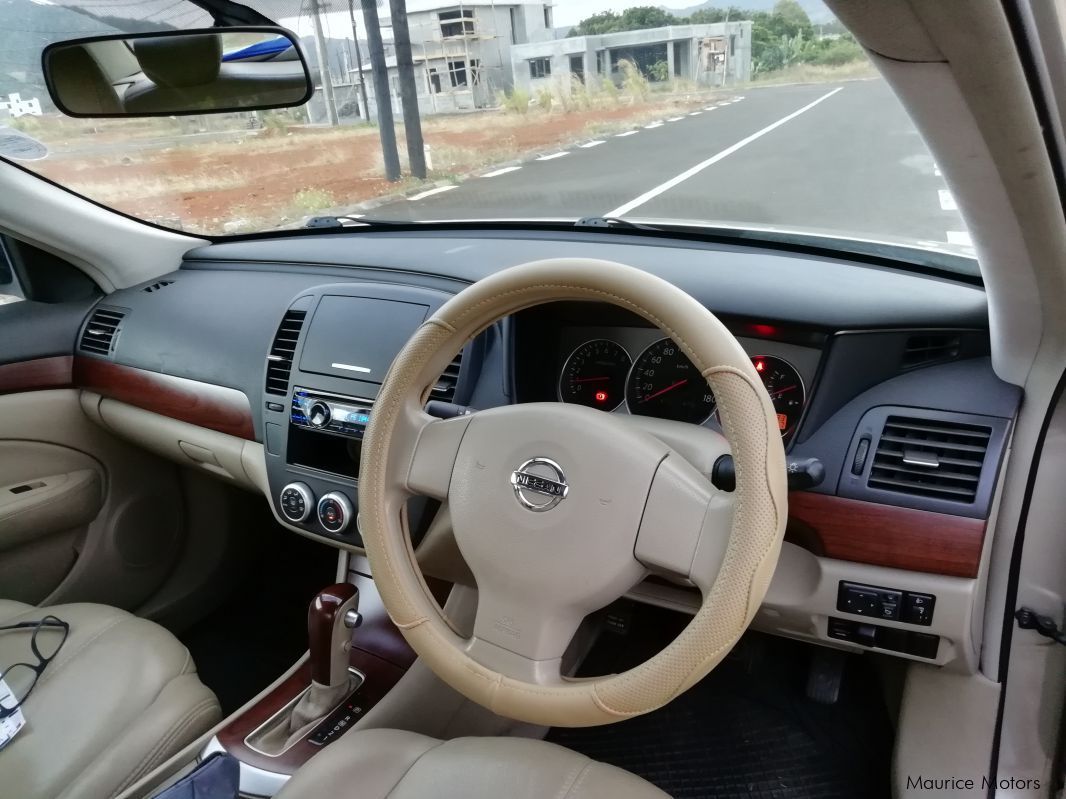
(659, 380)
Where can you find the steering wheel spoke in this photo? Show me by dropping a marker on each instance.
(523, 639)
(436, 445)
(686, 524)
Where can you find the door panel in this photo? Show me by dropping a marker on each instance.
(91, 518)
(48, 496)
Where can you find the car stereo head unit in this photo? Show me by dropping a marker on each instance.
(330, 413)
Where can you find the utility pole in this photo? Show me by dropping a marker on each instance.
(380, 73)
(323, 64)
(412, 123)
(365, 112)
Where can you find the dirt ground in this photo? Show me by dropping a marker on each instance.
(273, 177)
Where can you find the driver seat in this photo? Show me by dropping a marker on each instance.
(375, 764)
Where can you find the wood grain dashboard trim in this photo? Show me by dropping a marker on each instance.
(214, 407)
(36, 374)
(885, 535)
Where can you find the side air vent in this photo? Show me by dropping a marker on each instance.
(279, 361)
(445, 388)
(162, 284)
(101, 331)
(928, 458)
(925, 349)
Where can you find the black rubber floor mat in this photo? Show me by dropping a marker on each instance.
(748, 730)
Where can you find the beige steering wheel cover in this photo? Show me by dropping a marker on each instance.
(760, 510)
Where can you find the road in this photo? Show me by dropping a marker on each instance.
(822, 157)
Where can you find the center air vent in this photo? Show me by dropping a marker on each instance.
(279, 361)
(925, 349)
(444, 390)
(99, 335)
(928, 458)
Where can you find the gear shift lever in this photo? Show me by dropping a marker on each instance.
(329, 636)
(330, 620)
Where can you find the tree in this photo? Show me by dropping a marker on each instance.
(643, 17)
(632, 19)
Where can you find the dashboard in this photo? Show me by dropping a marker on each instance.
(259, 362)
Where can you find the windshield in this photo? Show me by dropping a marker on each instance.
(766, 118)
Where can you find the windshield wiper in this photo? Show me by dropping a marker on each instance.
(351, 221)
(611, 221)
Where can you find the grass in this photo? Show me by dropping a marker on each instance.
(310, 200)
(812, 73)
(142, 187)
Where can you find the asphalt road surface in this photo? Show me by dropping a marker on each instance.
(836, 158)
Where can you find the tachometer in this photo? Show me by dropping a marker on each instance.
(664, 383)
(785, 387)
(595, 375)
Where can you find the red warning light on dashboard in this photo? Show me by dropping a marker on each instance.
(782, 421)
(760, 365)
(601, 396)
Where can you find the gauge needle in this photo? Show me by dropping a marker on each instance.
(590, 379)
(781, 391)
(664, 390)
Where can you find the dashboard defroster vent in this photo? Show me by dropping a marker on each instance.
(162, 284)
(279, 361)
(444, 390)
(100, 333)
(925, 349)
(930, 458)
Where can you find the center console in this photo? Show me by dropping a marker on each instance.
(354, 647)
(323, 371)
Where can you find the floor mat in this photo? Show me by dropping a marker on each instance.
(748, 730)
(261, 628)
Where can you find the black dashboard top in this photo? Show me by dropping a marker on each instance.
(745, 281)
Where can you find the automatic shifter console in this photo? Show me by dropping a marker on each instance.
(331, 617)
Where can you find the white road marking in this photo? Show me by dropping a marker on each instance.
(710, 108)
(503, 171)
(947, 202)
(553, 156)
(960, 237)
(651, 194)
(653, 125)
(675, 119)
(431, 192)
(695, 113)
(627, 133)
(588, 144)
(738, 99)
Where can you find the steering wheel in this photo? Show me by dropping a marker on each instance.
(560, 509)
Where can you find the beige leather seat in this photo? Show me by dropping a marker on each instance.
(121, 696)
(404, 765)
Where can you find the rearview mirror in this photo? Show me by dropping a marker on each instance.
(206, 71)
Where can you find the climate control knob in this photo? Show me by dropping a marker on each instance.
(318, 414)
(296, 500)
(335, 512)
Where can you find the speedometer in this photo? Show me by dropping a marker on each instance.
(595, 375)
(664, 383)
(785, 387)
